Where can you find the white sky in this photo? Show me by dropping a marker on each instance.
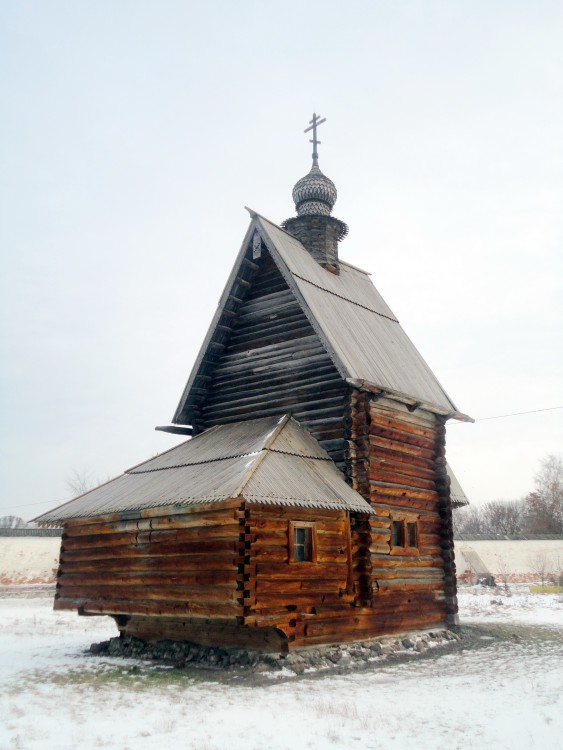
(132, 135)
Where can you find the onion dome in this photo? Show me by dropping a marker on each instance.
(314, 194)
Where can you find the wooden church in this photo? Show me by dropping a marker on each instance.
(312, 503)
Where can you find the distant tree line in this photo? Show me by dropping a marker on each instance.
(539, 512)
(11, 522)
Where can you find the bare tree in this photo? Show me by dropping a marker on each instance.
(80, 481)
(544, 506)
(503, 572)
(503, 518)
(11, 522)
(468, 520)
(541, 563)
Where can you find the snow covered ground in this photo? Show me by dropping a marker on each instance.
(506, 693)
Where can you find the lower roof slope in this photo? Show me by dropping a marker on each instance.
(457, 495)
(271, 460)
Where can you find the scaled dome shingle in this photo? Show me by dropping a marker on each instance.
(314, 194)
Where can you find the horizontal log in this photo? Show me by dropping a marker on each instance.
(408, 428)
(386, 455)
(152, 578)
(272, 382)
(286, 403)
(295, 408)
(336, 556)
(288, 319)
(383, 562)
(380, 507)
(275, 620)
(191, 537)
(126, 592)
(217, 518)
(327, 541)
(232, 609)
(270, 554)
(296, 348)
(272, 571)
(400, 587)
(177, 545)
(397, 478)
(400, 503)
(372, 626)
(396, 411)
(402, 448)
(381, 547)
(425, 580)
(301, 600)
(404, 438)
(259, 514)
(255, 392)
(271, 331)
(288, 586)
(273, 300)
(160, 511)
(268, 537)
(401, 491)
(148, 562)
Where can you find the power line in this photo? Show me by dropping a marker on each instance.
(41, 502)
(515, 414)
(480, 419)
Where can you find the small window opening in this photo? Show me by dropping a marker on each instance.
(397, 535)
(302, 543)
(404, 537)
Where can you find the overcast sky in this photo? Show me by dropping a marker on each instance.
(132, 135)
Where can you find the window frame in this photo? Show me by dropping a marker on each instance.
(405, 520)
(310, 526)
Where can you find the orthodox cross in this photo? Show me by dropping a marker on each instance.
(313, 126)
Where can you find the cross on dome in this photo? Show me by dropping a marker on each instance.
(314, 123)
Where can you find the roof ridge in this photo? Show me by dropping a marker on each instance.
(346, 299)
(192, 463)
(168, 450)
(262, 454)
(301, 455)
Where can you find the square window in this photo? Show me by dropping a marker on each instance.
(404, 536)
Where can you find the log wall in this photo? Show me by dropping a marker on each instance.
(295, 596)
(272, 362)
(396, 460)
(185, 562)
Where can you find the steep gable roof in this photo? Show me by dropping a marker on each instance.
(270, 460)
(355, 325)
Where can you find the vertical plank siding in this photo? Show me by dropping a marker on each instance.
(272, 362)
